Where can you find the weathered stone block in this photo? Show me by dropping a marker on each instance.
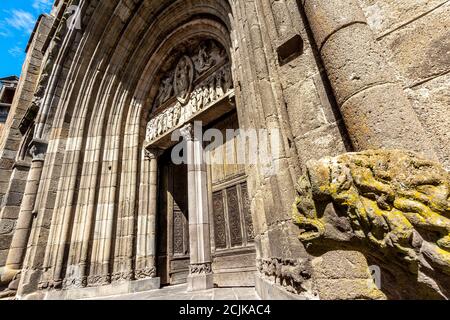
(420, 49)
(332, 15)
(431, 101)
(384, 16)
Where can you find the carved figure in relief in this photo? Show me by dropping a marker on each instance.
(208, 56)
(212, 89)
(199, 98)
(206, 95)
(165, 90)
(176, 114)
(227, 79)
(193, 101)
(219, 84)
(203, 60)
(159, 125)
(184, 77)
(169, 115)
(151, 130)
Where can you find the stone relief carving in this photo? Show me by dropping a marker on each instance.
(202, 268)
(98, 280)
(196, 82)
(75, 283)
(291, 274)
(149, 272)
(391, 205)
(165, 91)
(122, 276)
(209, 54)
(184, 76)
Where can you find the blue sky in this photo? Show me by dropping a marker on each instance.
(17, 19)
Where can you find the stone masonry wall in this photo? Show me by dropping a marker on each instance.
(416, 40)
(14, 173)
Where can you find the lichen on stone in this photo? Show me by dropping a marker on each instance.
(396, 204)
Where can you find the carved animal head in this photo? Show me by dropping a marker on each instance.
(392, 205)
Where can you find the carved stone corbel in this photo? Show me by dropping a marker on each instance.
(38, 149)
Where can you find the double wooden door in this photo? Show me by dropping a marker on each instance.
(232, 232)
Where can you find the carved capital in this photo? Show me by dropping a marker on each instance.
(38, 149)
(152, 153)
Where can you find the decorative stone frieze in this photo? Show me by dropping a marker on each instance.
(200, 269)
(149, 272)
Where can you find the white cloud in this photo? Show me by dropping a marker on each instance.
(42, 5)
(16, 51)
(4, 32)
(21, 20)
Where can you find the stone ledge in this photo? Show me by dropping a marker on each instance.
(99, 292)
(267, 290)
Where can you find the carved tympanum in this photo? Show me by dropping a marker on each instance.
(393, 206)
(198, 80)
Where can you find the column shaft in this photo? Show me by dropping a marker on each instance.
(19, 242)
(200, 275)
(146, 246)
(374, 107)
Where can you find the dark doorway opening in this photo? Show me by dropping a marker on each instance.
(173, 222)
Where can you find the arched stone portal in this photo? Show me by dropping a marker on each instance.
(85, 215)
(209, 229)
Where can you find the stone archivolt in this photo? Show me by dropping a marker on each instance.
(196, 82)
(392, 205)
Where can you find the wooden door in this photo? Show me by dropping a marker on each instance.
(173, 225)
(232, 226)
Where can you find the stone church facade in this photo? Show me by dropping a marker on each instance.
(353, 93)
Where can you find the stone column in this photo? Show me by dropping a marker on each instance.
(374, 107)
(200, 274)
(19, 242)
(146, 242)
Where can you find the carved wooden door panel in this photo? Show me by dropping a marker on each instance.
(232, 226)
(173, 224)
